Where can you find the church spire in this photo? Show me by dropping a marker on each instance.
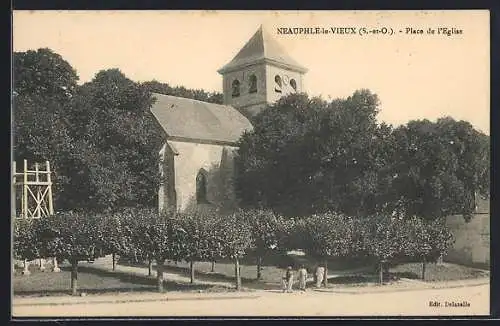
(259, 49)
(260, 74)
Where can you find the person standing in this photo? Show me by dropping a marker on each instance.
(289, 279)
(284, 281)
(302, 278)
(320, 272)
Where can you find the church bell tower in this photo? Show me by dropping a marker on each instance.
(260, 74)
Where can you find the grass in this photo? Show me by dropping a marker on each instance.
(437, 272)
(94, 281)
(272, 269)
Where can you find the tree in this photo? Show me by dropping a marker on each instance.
(195, 236)
(236, 238)
(74, 236)
(116, 144)
(308, 156)
(441, 239)
(439, 167)
(386, 239)
(427, 240)
(267, 233)
(27, 243)
(43, 86)
(330, 235)
(157, 233)
(156, 237)
(100, 137)
(116, 235)
(136, 225)
(195, 94)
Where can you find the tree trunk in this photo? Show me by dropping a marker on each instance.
(213, 267)
(423, 269)
(74, 277)
(113, 258)
(440, 260)
(259, 268)
(150, 267)
(191, 270)
(159, 275)
(237, 273)
(381, 272)
(325, 277)
(55, 266)
(42, 264)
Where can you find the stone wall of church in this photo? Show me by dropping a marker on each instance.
(216, 160)
(246, 100)
(166, 191)
(286, 76)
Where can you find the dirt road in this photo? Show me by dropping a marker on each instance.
(472, 300)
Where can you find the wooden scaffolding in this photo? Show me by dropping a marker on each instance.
(33, 189)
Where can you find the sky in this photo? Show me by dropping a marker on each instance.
(416, 76)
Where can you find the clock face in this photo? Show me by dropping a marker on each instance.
(285, 80)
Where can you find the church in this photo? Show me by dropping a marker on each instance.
(197, 161)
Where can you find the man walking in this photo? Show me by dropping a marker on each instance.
(288, 280)
(302, 278)
(320, 272)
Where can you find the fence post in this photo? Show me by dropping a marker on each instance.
(25, 189)
(49, 191)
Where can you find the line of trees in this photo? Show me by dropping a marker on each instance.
(210, 236)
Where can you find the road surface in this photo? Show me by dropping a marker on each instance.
(473, 300)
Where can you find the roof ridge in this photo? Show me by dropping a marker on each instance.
(190, 99)
(262, 46)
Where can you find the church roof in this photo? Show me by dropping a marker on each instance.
(262, 48)
(193, 120)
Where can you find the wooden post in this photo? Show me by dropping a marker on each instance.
(49, 191)
(25, 190)
(38, 209)
(13, 197)
(26, 270)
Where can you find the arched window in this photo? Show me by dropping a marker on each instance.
(236, 88)
(293, 84)
(252, 84)
(277, 84)
(201, 187)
